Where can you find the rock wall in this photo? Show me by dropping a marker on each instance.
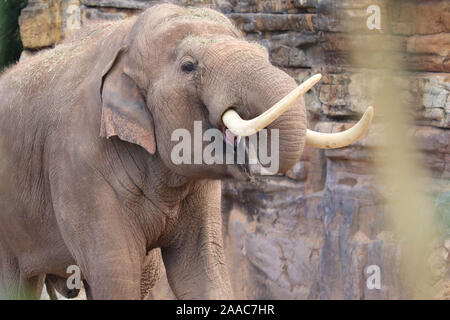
(312, 233)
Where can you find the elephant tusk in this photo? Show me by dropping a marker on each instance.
(244, 128)
(341, 139)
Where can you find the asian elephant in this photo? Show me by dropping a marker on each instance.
(86, 174)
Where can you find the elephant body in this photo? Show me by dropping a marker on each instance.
(85, 171)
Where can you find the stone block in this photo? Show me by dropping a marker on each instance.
(103, 14)
(125, 4)
(432, 17)
(273, 6)
(265, 22)
(437, 44)
(41, 24)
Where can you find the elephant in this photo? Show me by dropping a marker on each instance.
(86, 147)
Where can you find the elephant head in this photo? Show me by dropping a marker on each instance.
(181, 65)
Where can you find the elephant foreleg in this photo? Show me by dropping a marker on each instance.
(102, 241)
(111, 268)
(195, 261)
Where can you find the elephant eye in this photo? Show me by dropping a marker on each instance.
(188, 66)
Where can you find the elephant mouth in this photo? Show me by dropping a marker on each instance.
(245, 165)
(230, 138)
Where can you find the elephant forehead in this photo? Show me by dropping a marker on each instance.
(190, 14)
(203, 40)
(235, 50)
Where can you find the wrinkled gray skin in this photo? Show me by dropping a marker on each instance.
(151, 273)
(85, 141)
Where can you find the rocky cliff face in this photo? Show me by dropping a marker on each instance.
(312, 233)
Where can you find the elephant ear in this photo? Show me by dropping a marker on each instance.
(124, 110)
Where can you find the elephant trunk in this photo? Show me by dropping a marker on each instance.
(269, 88)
